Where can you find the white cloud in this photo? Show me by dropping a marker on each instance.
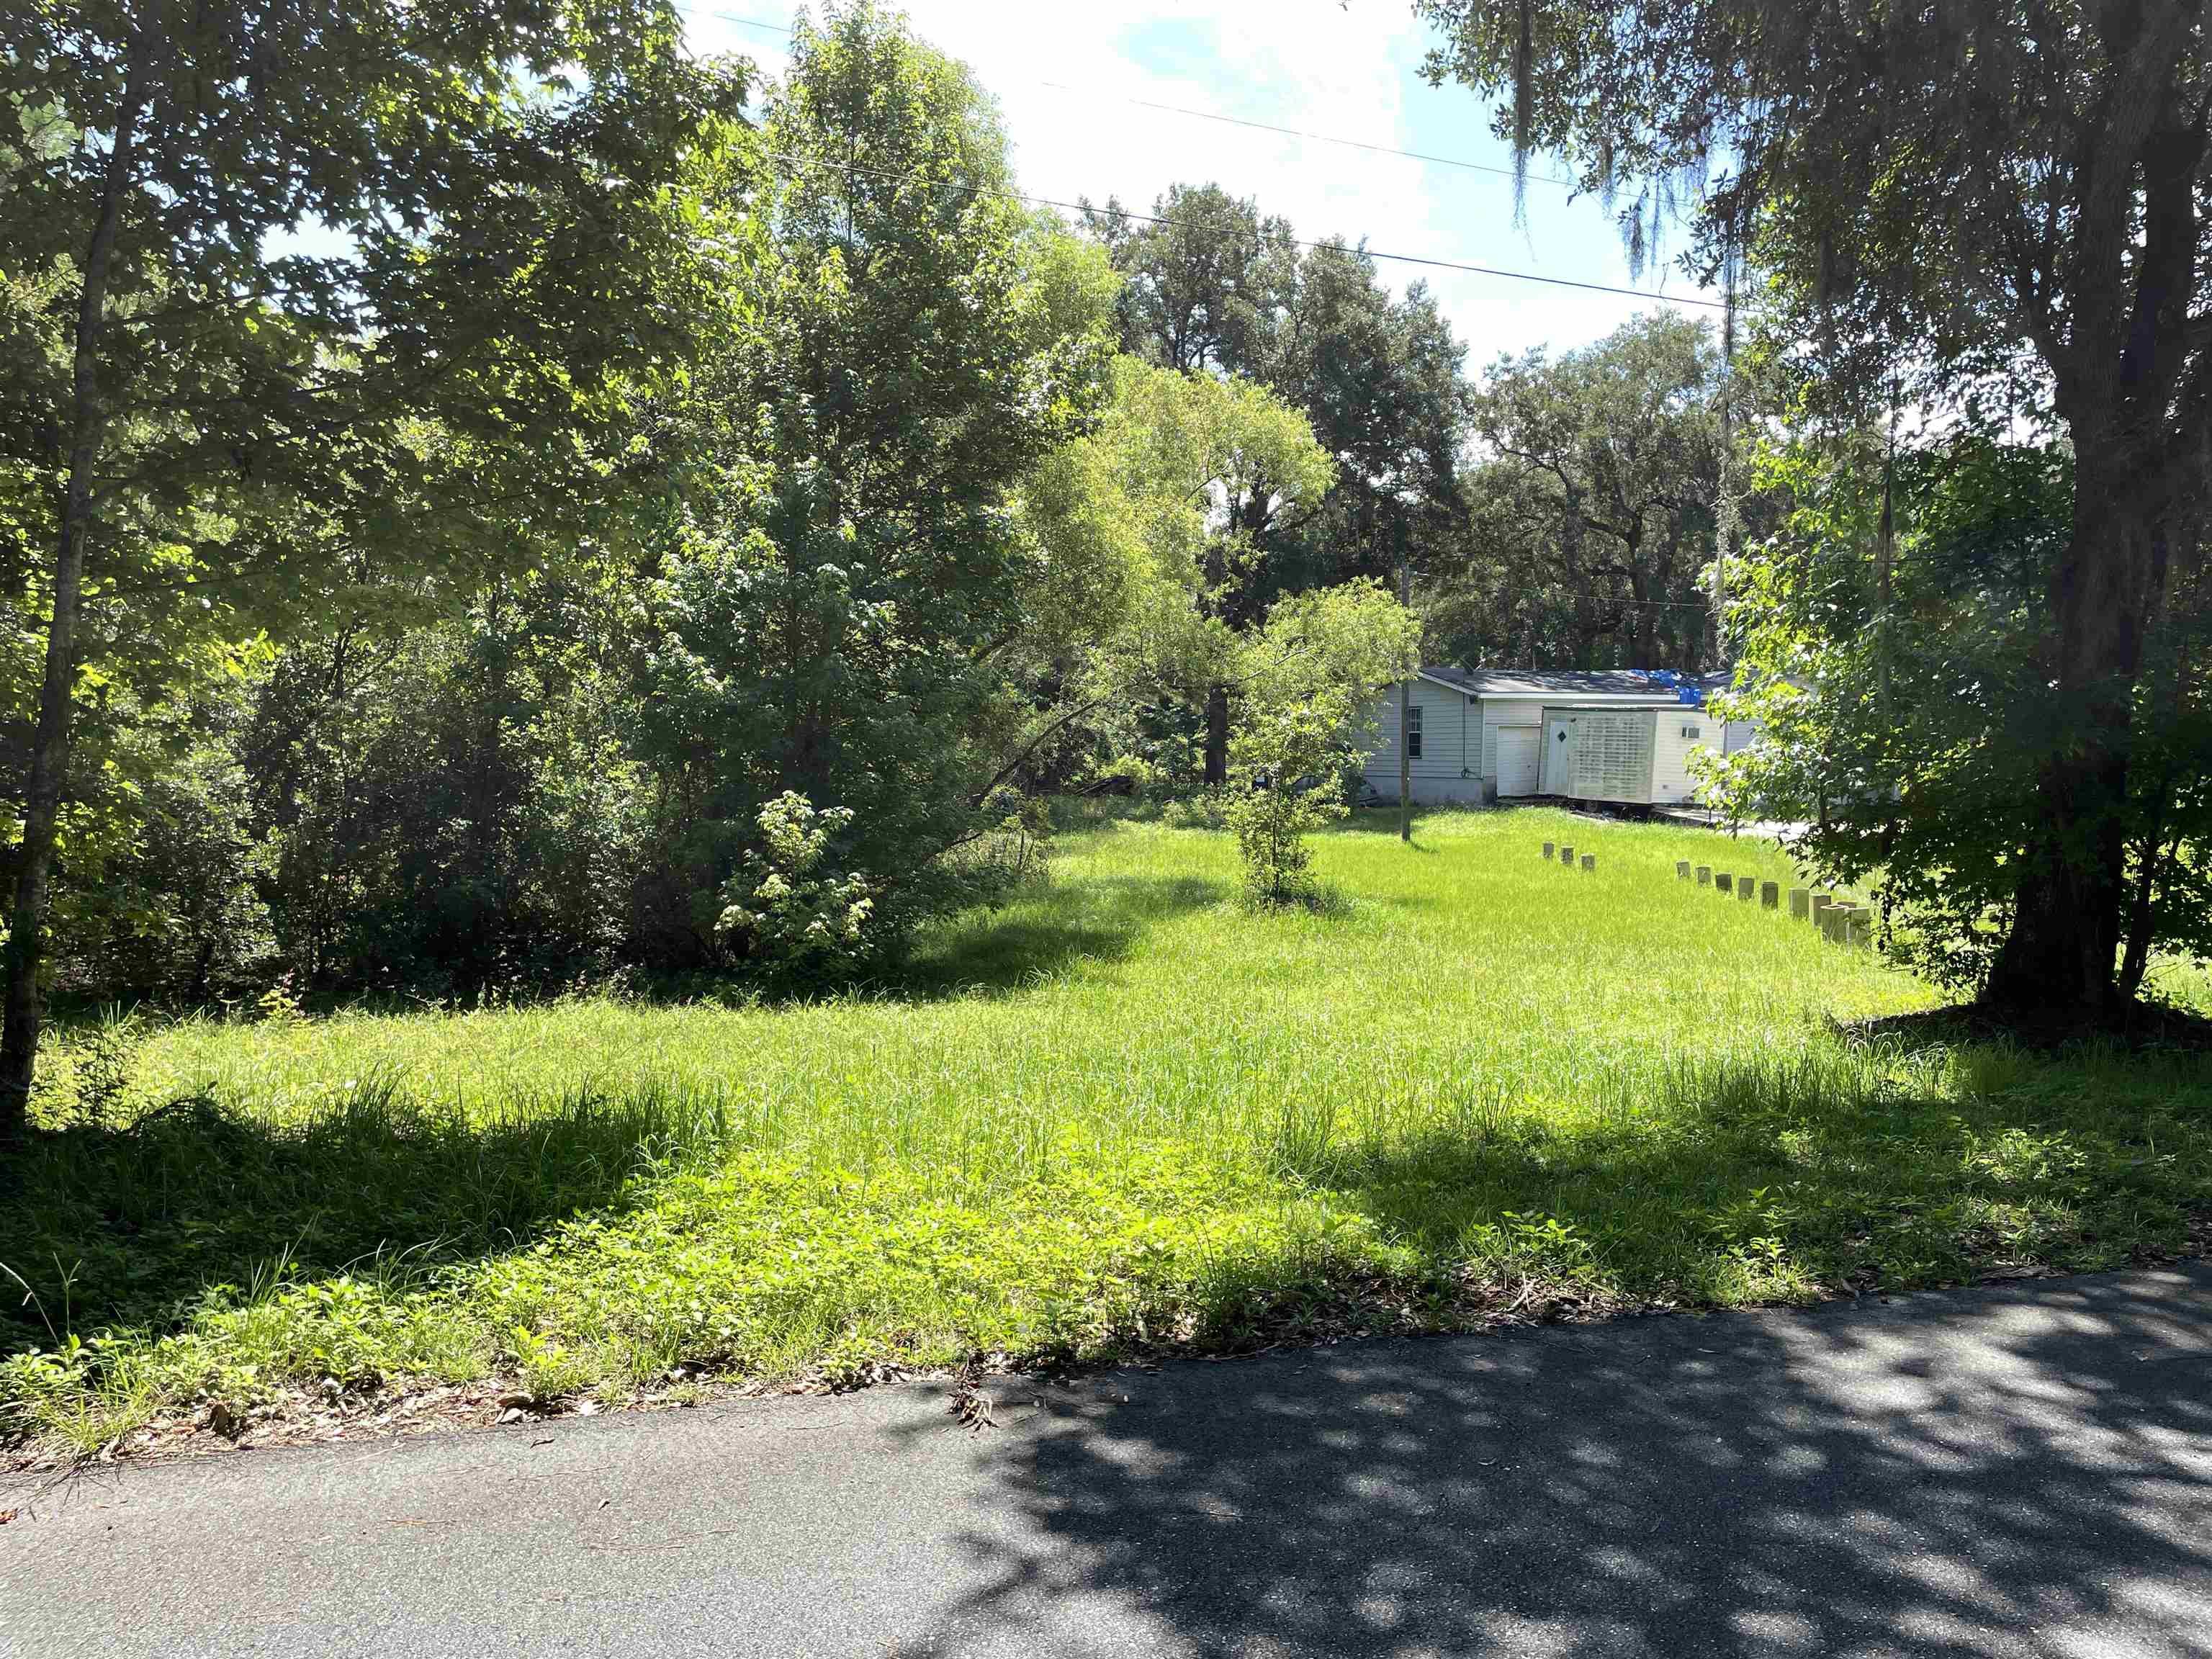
(1064, 74)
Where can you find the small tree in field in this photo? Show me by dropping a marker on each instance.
(1306, 684)
(1284, 766)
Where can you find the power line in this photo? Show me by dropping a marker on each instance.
(1422, 261)
(1433, 264)
(1295, 241)
(784, 30)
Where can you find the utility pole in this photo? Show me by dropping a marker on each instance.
(1405, 706)
(1724, 506)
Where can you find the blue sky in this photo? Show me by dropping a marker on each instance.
(1063, 72)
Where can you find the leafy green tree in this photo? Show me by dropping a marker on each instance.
(1217, 460)
(1612, 455)
(284, 278)
(1889, 704)
(1206, 279)
(2000, 205)
(849, 554)
(1308, 682)
(1380, 380)
(1211, 285)
(1140, 552)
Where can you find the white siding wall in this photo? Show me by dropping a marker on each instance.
(1450, 729)
(1506, 711)
(1671, 782)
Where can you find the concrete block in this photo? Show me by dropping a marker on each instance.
(1725, 882)
(1681, 869)
(1589, 860)
(1747, 887)
(1801, 903)
(1549, 848)
(1861, 933)
(1704, 875)
(1567, 857)
(1770, 894)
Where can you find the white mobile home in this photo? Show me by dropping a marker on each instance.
(1617, 735)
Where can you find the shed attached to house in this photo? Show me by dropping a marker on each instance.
(1487, 734)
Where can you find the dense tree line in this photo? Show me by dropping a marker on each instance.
(399, 604)
(490, 501)
(1592, 518)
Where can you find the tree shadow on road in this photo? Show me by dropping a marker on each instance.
(1825, 1483)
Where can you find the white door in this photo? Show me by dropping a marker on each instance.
(1558, 762)
(1518, 748)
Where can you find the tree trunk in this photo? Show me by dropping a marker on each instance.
(1641, 622)
(1217, 736)
(2058, 962)
(2134, 960)
(50, 746)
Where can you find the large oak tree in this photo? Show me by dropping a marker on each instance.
(1996, 187)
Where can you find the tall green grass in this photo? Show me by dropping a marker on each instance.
(1124, 1112)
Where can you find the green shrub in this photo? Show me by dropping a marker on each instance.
(786, 911)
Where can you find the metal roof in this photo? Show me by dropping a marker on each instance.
(1656, 686)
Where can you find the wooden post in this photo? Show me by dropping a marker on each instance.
(1801, 903)
(1770, 894)
(1681, 869)
(1405, 751)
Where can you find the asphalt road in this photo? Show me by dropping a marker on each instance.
(2025, 1470)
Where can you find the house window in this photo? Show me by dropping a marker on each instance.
(1413, 732)
(1689, 731)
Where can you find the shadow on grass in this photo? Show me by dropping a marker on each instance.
(1047, 931)
(130, 1227)
(1044, 931)
(2145, 1027)
(129, 1224)
(2022, 1470)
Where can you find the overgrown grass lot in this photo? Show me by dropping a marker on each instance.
(1126, 1115)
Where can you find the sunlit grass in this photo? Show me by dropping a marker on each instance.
(1126, 1111)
